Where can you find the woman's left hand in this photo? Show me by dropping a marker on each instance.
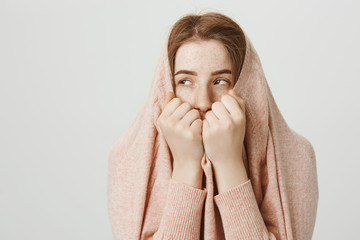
(224, 130)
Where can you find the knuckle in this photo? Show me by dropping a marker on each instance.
(171, 122)
(214, 104)
(194, 112)
(238, 117)
(188, 135)
(207, 114)
(176, 100)
(228, 124)
(177, 130)
(192, 136)
(159, 121)
(187, 105)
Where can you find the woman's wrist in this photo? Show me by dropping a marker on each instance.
(189, 174)
(229, 175)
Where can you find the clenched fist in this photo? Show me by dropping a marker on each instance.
(224, 130)
(182, 126)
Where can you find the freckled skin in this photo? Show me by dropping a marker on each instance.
(201, 90)
(202, 57)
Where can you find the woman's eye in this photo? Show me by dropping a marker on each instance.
(181, 82)
(221, 80)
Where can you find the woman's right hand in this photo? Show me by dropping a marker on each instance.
(182, 129)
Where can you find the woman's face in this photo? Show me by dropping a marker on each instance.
(202, 73)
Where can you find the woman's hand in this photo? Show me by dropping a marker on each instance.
(182, 127)
(224, 130)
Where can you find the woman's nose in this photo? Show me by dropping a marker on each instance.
(202, 101)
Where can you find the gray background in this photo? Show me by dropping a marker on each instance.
(74, 74)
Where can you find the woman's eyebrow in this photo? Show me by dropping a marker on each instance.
(194, 73)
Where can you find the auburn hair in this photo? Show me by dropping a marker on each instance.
(210, 25)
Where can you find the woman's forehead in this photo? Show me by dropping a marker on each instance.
(207, 55)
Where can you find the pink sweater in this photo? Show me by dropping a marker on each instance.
(279, 201)
(240, 215)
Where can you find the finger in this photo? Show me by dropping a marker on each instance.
(205, 125)
(197, 125)
(211, 118)
(220, 111)
(238, 99)
(171, 107)
(231, 104)
(190, 117)
(168, 97)
(181, 110)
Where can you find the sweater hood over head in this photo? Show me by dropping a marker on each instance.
(280, 163)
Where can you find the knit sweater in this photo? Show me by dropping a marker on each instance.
(181, 218)
(279, 201)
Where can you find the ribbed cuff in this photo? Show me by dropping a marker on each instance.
(183, 211)
(240, 213)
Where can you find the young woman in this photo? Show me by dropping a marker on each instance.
(210, 156)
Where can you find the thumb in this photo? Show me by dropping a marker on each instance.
(168, 97)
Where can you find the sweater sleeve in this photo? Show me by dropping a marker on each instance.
(181, 218)
(240, 214)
